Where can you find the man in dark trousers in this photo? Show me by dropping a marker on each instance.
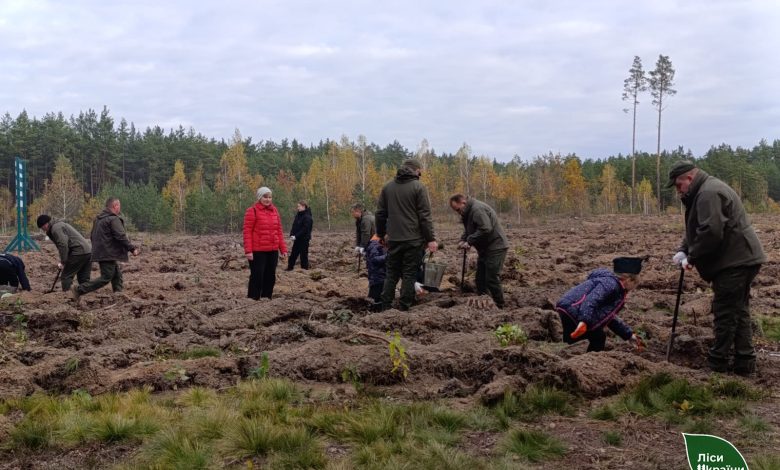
(721, 244)
(12, 274)
(365, 227)
(300, 234)
(404, 222)
(483, 231)
(75, 251)
(109, 246)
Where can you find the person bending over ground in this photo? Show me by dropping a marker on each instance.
(589, 307)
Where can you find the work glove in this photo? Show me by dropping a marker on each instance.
(464, 246)
(679, 257)
(640, 345)
(359, 250)
(292, 237)
(580, 330)
(681, 260)
(59, 266)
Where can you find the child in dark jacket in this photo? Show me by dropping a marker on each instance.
(589, 307)
(376, 255)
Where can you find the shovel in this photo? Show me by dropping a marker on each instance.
(59, 271)
(463, 273)
(676, 312)
(359, 256)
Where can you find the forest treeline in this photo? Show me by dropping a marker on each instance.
(180, 180)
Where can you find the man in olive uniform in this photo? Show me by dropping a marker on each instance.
(483, 231)
(365, 227)
(404, 222)
(109, 246)
(721, 244)
(75, 251)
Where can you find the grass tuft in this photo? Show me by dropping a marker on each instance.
(604, 413)
(114, 427)
(766, 462)
(200, 352)
(754, 425)
(172, 449)
(771, 327)
(613, 438)
(250, 437)
(533, 446)
(699, 426)
(32, 434)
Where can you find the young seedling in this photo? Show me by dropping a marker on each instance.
(398, 355)
(261, 372)
(511, 334)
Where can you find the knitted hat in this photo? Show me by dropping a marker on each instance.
(627, 265)
(262, 191)
(43, 220)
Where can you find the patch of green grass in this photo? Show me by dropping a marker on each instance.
(114, 427)
(75, 428)
(482, 419)
(71, 365)
(32, 434)
(547, 400)
(196, 397)
(612, 438)
(699, 426)
(754, 425)
(249, 437)
(766, 462)
(733, 388)
(376, 422)
(605, 412)
(200, 352)
(771, 327)
(660, 394)
(171, 448)
(533, 446)
(534, 402)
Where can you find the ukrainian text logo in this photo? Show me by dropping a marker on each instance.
(707, 452)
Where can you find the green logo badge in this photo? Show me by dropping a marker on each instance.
(707, 452)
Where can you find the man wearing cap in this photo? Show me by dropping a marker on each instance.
(365, 227)
(589, 307)
(109, 246)
(404, 223)
(75, 251)
(721, 243)
(483, 231)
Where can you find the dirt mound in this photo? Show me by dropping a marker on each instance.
(185, 320)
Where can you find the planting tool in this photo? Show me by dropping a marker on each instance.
(676, 312)
(59, 271)
(358, 263)
(463, 272)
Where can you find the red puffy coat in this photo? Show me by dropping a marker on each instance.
(263, 229)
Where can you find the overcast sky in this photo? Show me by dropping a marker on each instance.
(507, 77)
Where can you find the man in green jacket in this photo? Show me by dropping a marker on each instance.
(365, 227)
(483, 231)
(404, 223)
(75, 251)
(109, 246)
(721, 243)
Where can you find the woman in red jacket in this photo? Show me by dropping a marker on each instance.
(263, 242)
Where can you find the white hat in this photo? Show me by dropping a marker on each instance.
(262, 191)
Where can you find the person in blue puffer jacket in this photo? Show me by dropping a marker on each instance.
(589, 307)
(376, 257)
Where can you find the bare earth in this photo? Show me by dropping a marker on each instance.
(187, 292)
